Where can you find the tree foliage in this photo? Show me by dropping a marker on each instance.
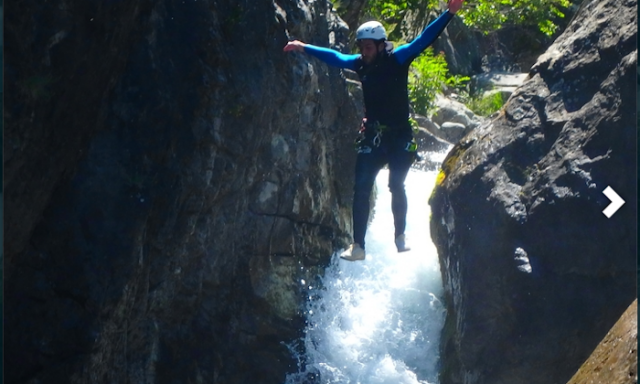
(429, 76)
(429, 73)
(483, 15)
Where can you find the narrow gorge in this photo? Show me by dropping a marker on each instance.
(175, 183)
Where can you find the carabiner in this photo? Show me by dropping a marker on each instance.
(377, 139)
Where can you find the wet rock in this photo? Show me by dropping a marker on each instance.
(452, 131)
(534, 274)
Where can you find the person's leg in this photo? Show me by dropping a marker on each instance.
(367, 167)
(399, 164)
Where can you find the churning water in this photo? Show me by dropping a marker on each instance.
(378, 321)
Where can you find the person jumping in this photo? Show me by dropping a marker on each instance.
(386, 137)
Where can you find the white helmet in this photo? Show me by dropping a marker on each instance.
(371, 30)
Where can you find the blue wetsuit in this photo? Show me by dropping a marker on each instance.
(384, 87)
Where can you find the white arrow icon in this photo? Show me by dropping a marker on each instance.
(616, 202)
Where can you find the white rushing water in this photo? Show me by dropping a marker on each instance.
(378, 321)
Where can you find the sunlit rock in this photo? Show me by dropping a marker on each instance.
(534, 273)
(615, 360)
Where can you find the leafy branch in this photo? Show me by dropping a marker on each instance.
(483, 15)
(429, 76)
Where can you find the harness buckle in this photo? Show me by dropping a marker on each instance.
(411, 146)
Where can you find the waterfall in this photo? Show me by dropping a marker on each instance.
(378, 321)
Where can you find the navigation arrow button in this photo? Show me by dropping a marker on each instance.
(616, 202)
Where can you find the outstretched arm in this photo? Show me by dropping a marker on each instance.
(428, 35)
(329, 56)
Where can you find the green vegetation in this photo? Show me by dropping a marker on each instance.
(429, 76)
(491, 15)
(485, 105)
(429, 73)
(483, 15)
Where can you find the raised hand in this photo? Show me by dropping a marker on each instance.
(295, 45)
(455, 5)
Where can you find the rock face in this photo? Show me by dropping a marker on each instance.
(461, 46)
(615, 360)
(534, 273)
(171, 176)
(450, 121)
(504, 83)
(454, 119)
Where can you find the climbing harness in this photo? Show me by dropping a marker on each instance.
(369, 136)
